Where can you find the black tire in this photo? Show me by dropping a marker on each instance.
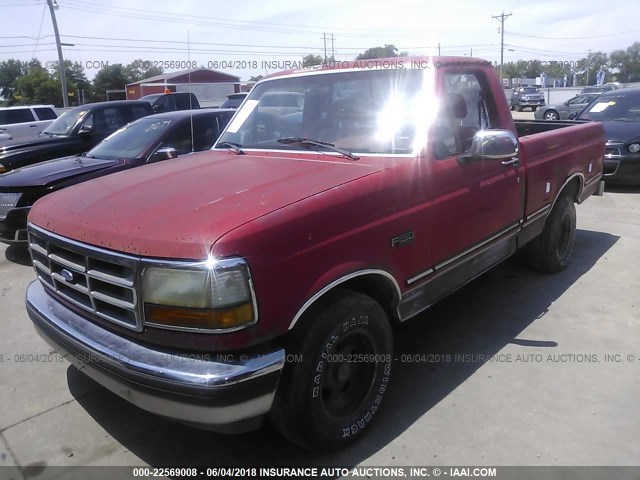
(519, 108)
(323, 403)
(551, 115)
(513, 107)
(550, 252)
(533, 109)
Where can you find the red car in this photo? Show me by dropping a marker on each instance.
(263, 278)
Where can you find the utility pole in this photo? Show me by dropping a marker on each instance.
(333, 53)
(502, 17)
(324, 37)
(63, 80)
(588, 66)
(438, 48)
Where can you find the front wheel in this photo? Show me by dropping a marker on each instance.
(329, 396)
(551, 115)
(551, 251)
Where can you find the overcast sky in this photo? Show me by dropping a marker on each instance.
(227, 35)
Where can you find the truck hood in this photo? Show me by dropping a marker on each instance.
(626, 132)
(21, 144)
(51, 171)
(178, 209)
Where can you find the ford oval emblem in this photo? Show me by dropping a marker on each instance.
(67, 275)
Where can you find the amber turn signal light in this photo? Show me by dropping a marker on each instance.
(199, 318)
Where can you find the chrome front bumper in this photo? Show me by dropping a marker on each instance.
(221, 392)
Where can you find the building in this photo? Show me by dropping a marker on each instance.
(210, 86)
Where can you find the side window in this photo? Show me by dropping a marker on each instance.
(46, 113)
(205, 131)
(137, 111)
(464, 112)
(165, 104)
(180, 139)
(183, 102)
(18, 115)
(106, 121)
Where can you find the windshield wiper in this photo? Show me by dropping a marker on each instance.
(235, 147)
(307, 142)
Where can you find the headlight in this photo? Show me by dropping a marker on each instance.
(634, 147)
(211, 296)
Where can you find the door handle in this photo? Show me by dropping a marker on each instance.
(33, 126)
(511, 163)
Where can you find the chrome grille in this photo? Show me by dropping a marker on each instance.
(96, 280)
(7, 202)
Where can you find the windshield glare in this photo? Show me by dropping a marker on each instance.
(619, 107)
(131, 141)
(63, 125)
(371, 111)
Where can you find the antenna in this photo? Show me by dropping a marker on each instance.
(190, 90)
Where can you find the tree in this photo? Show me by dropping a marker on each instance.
(381, 52)
(312, 60)
(592, 64)
(140, 69)
(38, 86)
(625, 64)
(10, 71)
(256, 78)
(111, 77)
(78, 87)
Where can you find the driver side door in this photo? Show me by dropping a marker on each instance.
(473, 200)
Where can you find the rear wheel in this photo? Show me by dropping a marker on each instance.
(551, 251)
(519, 108)
(329, 398)
(551, 115)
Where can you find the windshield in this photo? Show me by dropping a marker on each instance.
(131, 141)
(530, 90)
(63, 125)
(618, 107)
(369, 111)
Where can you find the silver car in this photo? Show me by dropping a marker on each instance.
(561, 111)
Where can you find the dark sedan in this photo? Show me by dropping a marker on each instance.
(75, 131)
(619, 113)
(147, 140)
(561, 111)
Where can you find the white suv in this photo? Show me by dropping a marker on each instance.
(20, 123)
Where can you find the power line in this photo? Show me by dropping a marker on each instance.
(35, 47)
(572, 38)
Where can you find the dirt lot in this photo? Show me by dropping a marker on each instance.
(511, 370)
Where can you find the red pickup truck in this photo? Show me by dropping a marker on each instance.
(262, 278)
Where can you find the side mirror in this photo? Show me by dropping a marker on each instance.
(566, 102)
(492, 145)
(163, 153)
(85, 130)
(572, 116)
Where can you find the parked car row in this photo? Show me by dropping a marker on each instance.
(148, 139)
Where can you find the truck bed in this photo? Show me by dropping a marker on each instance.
(555, 151)
(531, 127)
